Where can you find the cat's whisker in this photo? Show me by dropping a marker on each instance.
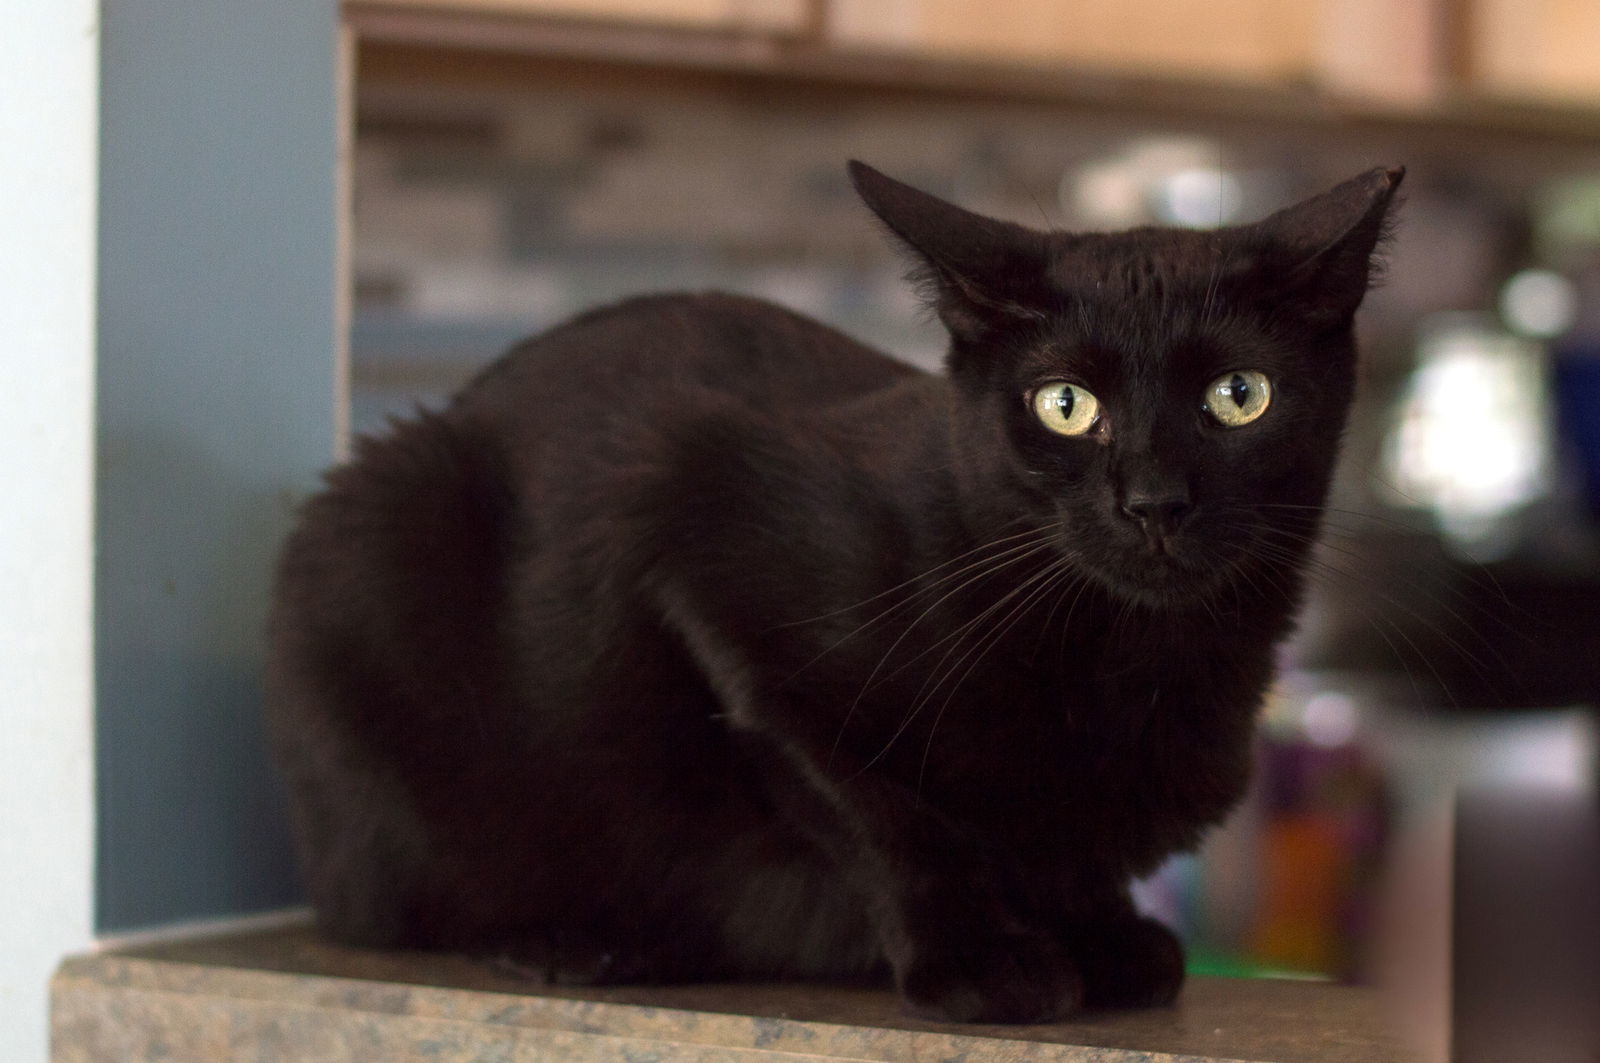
(976, 621)
(1332, 526)
(993, 565)
(1415, 584)
(956, 637)
(995, 562)
(1377, 624)
(997, 635)
(1126, 611)
(936, 676)
(1476, 662)
(1205, 603)
(973, 656)
(867, 684)
(1238, 569)
(955, 633)
(1084, 584)
(1080, 583)
(915, 579)
(1299, 553)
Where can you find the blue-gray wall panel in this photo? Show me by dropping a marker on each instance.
(216, 408)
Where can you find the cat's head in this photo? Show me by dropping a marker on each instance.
(1173, 398)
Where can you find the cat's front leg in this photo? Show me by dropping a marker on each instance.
(1099, 952)
(960, 947)
(975, 962)
(1127, 960)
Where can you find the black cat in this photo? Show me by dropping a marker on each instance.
(695, 640)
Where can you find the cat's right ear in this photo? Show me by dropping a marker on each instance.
(977, 273)
(1330, 246)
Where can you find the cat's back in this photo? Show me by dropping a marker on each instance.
(665, 350)
(437, 630)
(412, 545)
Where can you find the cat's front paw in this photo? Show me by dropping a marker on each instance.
(1009, 978)
(1127, 962)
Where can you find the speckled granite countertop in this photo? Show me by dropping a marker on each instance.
(285, 995)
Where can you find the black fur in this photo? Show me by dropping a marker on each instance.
(695, 640)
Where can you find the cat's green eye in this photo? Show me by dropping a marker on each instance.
(1237, 398)
(1066, 409)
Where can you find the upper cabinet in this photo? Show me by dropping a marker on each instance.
(1410, 55)
(1237, 39)
(1542, 51)
(777, 15)
(1387, 50)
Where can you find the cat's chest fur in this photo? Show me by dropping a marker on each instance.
(1048, 722)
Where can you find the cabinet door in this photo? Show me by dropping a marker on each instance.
(1539, 50)
(715, 14)
(1232, 39)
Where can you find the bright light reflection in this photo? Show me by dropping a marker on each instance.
(1200, 199)
(1538, 302)
(1472, 440)
(1329, 720)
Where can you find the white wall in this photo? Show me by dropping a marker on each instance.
(49, 68)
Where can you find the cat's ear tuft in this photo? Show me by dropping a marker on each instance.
(976, 272)
(1329, 247)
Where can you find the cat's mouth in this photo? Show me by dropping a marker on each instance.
(1172, 567)
(1159, 544)
(1158, 567)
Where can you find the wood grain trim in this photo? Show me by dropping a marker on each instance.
(393, 33)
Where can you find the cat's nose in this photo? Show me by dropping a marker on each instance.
(1158, 514)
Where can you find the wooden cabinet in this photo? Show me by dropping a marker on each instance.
(1412, 56)
(1536, 50)
(778, 15)
(1233, 39)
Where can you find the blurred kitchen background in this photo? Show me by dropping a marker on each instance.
(512, 166)
(237, 233)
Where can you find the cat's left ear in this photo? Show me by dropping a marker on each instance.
(978, 273)
(1327, 247)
